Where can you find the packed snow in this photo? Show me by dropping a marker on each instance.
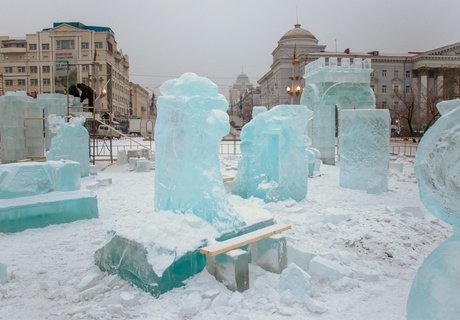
(352, 255)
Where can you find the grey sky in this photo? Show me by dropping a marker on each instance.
(219, 39)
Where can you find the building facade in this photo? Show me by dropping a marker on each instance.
(408, 84)
(68, 53)
(243, 97)
(139, 101)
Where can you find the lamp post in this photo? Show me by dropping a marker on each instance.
(295, 89)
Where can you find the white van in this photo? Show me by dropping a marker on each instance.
(104, 131)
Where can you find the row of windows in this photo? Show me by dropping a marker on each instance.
(22, 82)
(22, 69)
(395, 105)
(65, 44)
(395, 74)
(395, 89)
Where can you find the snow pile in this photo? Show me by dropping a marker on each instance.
(377, 242)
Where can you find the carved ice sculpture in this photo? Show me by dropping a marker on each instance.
(435, 292)
(70, 142)
(364, 149)
(191, 121)
(274, 164)
(330, 86)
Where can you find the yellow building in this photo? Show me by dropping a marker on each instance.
(139, 101)
(66, 54)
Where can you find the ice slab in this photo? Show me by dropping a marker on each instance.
(42, 210)
(435, 292)
(191, 122)
(446, 106)
(3, 274)
(364, 149)
(295, 281)
(324, 269)
(274, 164)
(33, 178)
(70, 142)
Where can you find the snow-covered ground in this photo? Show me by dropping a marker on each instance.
(378, 240)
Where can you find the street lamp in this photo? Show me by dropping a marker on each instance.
(297, 91)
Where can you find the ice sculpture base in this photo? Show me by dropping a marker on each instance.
(42, 210)
(231, 268)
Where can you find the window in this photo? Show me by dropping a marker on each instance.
(21, 82)
(395, 89)
(8, 69)
(65, 44)
(85, 67)
(408, 74)
(384, 89)
(46, 81)
(98, 45)
(384, 104)
(396, 105)
(33, 82)
(8, 82)
(32, 46)
(45, 46)
(396, 74)
(407, 89)
(46, 69)
(21, 69)
(33, 69)
(99, 67)
(85, 45)
(384, 73)
(372, 74)
(373, 87)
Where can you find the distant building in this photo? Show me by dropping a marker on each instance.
(38, 63)
(139, 101)
(399, 80)
(243, 97)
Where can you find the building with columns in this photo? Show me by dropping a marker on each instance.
(67, 53)
(402, 82)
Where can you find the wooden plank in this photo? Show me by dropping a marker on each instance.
(237, 242)
(229, 179)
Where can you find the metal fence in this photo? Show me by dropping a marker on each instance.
(227, 147)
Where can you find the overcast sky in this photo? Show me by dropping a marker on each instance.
(220, 38)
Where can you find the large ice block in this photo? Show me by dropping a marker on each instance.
(435, 292)
(12, 132)
(157, 257)
(364, 149)
(42, 210)
(274, 164)
(70, 142)
(191, 121)
(33, 178)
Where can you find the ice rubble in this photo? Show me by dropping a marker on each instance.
(435, 292)
(274, 164)
(364, 149)
(70, 142)
(191, 121)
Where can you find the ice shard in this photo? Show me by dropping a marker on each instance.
(364, 149)
(191, 121)
(435, 292)
(274, 164)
